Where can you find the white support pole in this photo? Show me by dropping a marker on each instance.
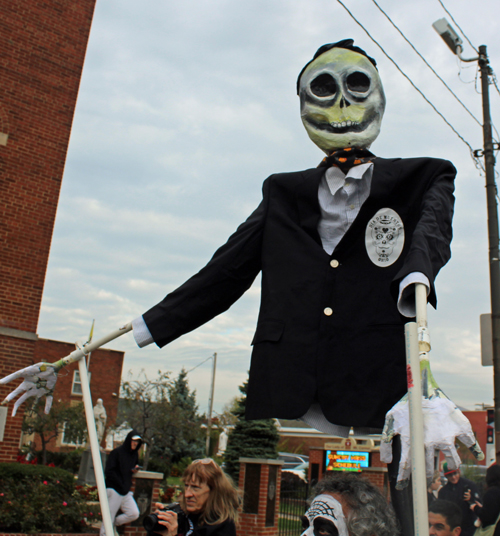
(211, 405)
(424, 340)
(419, 483)
(417, 345)
(77, 354)
(94, 446)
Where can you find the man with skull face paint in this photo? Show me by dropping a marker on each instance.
(346, 505)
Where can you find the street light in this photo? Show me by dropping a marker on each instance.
(450, 37)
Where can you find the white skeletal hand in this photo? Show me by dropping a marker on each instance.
(443, 424)
(39, 380)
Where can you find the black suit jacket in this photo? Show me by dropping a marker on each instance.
(352, 361)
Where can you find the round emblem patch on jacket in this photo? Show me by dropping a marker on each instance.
(385, 237)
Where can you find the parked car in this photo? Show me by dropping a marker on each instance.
(292, 460)
(301, 471)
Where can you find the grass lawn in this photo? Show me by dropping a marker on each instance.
(174, 481)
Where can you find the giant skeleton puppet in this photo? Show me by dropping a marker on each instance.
(340, 247)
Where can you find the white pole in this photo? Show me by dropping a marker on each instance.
(211, 405)
(90, 347)
(94, 445)
(417, 345)
(419, 483)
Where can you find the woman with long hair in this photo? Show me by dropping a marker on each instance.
(209, 503)
(489, 511)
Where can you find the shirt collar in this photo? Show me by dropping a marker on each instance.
(335, 177)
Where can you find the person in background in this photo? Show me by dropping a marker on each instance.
(121, 464)
(209, 501)
(489, 511)
(460, 491)
(445, 518)
(434, 487)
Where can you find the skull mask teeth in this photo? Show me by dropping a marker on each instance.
(342, 100)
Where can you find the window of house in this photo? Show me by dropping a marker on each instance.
(66, 441)
(76, 388)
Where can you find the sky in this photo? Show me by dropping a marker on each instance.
(186, 107)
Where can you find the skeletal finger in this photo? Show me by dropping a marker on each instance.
(13, 376)
(452, 457)
(476, 450)
(15, 392)
(21, 400)
(48, 404)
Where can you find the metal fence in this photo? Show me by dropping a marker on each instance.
(293, 504)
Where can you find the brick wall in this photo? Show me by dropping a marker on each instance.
(43, 47)
(255, 524)
(140, 531)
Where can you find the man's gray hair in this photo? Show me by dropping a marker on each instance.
(370, 514)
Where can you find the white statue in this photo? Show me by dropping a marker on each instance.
(100, 419)
(222, 442)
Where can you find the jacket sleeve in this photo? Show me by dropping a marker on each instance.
(430, 246)
(210, 292)
(488, 513)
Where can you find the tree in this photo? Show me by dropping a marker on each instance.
(179, 430)
(142, 404)
(249, 439)
(48, 427)
(164, 412)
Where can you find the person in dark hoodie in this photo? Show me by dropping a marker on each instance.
(122, 463)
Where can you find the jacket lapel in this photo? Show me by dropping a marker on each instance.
(306, 196)
(385, 173)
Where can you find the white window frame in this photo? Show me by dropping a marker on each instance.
(76, 387)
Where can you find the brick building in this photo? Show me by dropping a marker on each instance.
(43, 48)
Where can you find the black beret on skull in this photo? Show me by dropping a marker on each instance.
(345, 43)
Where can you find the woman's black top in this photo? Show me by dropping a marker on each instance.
(193, 528)
(489, 512)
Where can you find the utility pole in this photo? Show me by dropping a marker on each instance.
(493, 239)
(211, 405)
(451, 38)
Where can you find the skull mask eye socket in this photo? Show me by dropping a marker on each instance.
(324, 85)
(358, 82)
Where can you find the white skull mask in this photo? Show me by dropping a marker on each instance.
(342, 100)
(325, 516)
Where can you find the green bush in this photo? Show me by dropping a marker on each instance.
(70, 461)
(179, 467)
(159, 465)
(36, 498)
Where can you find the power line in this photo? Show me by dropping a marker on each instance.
(425, 61)
(199, 364)
(457, 25)
(411, 82)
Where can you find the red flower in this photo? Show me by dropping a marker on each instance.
(45, 482)
(65, 503)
